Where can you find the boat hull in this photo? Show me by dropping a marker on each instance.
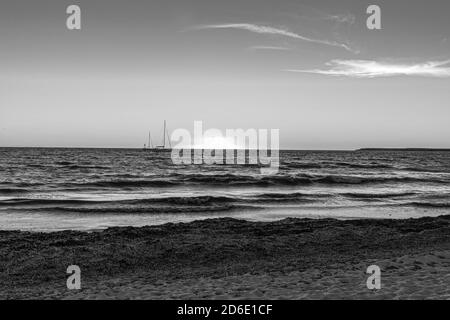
(158, 150)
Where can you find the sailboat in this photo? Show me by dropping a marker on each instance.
(159, 148)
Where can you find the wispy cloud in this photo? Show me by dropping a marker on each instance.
(275, 31)
(341, 18)
(372, 69)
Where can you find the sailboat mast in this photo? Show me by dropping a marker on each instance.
(164, 134)
(149, 140)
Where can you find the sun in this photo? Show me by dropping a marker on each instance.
(217, 142)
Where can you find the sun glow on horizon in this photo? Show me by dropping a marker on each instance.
(216, 143)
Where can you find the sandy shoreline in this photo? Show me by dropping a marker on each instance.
(233, 259)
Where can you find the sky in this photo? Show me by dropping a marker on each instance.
(311, 69)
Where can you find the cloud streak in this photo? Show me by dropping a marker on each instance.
(373, 69)
(275, 31)
(341, 18)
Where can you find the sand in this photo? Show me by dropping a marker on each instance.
(233, 259)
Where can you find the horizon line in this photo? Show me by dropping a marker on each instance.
(281, 149)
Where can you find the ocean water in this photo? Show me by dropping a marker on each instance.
(89, 189)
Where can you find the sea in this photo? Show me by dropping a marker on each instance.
(54, 189)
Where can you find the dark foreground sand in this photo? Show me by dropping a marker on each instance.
(233, 259)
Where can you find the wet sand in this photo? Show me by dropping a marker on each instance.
(233, 259)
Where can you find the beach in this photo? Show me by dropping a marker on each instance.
(227, 258)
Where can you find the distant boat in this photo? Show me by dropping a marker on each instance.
(159, 148)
